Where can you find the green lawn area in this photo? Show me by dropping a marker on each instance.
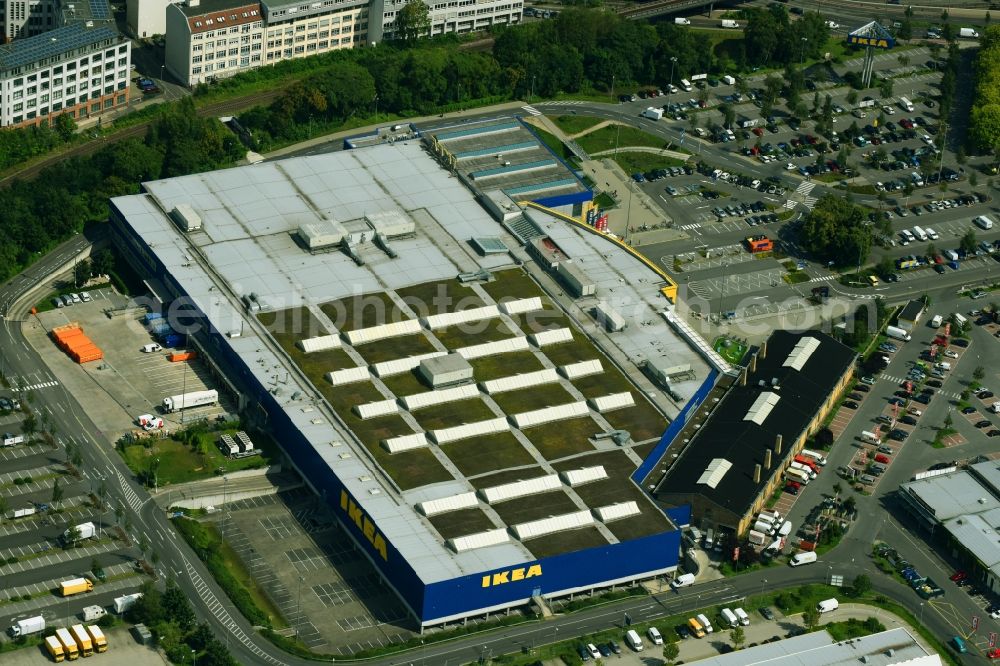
(729, 349)
(291, 325)
(566, 542)
(460, 523)
(609, 381)
(564, 353)
(540, 320)
(390, 349)
(609, 136)
(536, 397)
(795, 277)
(636, 162)
(432, 298)
(534, 507)
(406, 383)
(605, 201)
(563, 438)
(503, 365)
(362, 311)
(642, 420)
(574, 124)
(553, 143)
(473, 333)
(452, 414)
(180, 463)
(481, 455)
(513, 283)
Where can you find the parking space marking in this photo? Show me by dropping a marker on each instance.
(738, 284)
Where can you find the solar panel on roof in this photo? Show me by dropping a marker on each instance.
(100, 9)
(22, 52)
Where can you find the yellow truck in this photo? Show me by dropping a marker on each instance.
(97, 636)
(82, 638)
(75, 586)
(68, 644)
(55, 649)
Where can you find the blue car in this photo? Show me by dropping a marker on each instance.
(639, 178)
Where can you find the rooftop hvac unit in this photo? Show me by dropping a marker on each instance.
(185, 217)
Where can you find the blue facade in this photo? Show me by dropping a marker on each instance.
(675, 427)
(435, 602)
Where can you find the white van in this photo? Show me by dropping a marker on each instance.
(818, 457)
(743, 617)
(943, 365)
(633, 640)
(827, 605)
(936, 321)
(804, 469)
(709, 538)
(654, 635)
(684, 580)
(686, 85)
(770, 515)
(730, 617)
(807, 557)
(960, 319)
(703, 621)
(984, 222)
(785, 529)
(151, 348)
(871, 437)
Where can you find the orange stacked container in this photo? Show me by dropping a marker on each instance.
(72, 340)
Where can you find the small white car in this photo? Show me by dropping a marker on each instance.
(832, 25)
(951, 354)
(654, 635)
(790, 167)
(594, 652)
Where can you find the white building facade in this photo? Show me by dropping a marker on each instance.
(79, 69)
(213, 39)
(452, 15)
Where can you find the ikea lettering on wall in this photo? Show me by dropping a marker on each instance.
(868, 41)
(512, 575)
(367, 527)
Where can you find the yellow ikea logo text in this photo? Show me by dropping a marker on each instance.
(512, 575)
(364, 524)
(869, 41)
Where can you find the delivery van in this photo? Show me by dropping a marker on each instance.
(742, 615)
(807, 557)
(703, 620)
(936, 321)
(827, 605)
(633, 640)
(684, 580)
(730, 617)
(694, 626)
(868, 436)
(818, 457)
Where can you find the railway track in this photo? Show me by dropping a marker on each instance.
(30, 171)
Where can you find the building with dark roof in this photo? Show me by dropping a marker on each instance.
(910, 315)
(743, 443)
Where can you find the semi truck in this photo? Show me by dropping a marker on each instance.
(83, 531)
(55, 649)
(82, 638)
(122, 604)
(24, 513)
(68, 644)
(27, 626)
(193, 399)
(93, 613)
(898, 333)
(97, 636)
(75, 586)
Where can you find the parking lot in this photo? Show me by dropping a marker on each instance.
(129, 382)
(326, 590)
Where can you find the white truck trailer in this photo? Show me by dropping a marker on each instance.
(193, 399)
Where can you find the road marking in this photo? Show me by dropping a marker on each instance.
(532, 110)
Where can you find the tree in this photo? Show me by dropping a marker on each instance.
(143, 544)
(29, 425)
(119, 513)
(103, 262)
(728, 115)
(885, 88)
(670, 652)
(968, 242)
(82, 272)
(738, 637)
(810, 618)
(948, 420)
(177, 607)
(57, 492)
(3, 507)
(979, 373)
(65, 126)
(850, 504)
(837, 230)
(852, 97)
(71, 537)
(837, 488)
(862, 585)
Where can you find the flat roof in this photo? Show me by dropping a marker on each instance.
(246, 245)
(952, 495)
(819, 649)
(503, 153)
(912, 310)
(798, 374)
(31, 50)
(209, 6)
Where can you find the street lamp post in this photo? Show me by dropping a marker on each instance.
(763, 582)
(612, 87)
(298, 605)
(673, 61)
(802, 50)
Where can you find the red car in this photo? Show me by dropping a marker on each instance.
(759, 131)
(994, 653)
(958, 576)
(882, 458)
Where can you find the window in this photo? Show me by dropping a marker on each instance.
(196, 59)
(196, 70)
(18, 94)
(70, 90)
(19, 107)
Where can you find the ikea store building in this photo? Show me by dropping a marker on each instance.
(207, 242)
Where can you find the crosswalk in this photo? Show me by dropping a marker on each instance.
(130, 495)
(689, 227)
(566, 102)
(803, 190)
(41, 385)
(900, 380)
(532, 110)
(824, 278)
